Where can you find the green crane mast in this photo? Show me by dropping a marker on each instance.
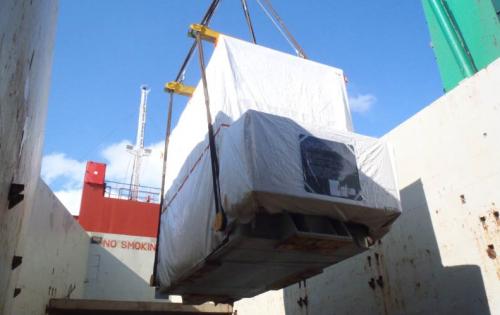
(465, 36)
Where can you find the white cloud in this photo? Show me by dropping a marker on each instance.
(65, 175)
(71, 199)
(362, 103)
(152, 166)
(118, 160)
(58, 166)
(119, 164)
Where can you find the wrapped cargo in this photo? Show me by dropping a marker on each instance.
(272, 163)
(244, 76)
(300, 190)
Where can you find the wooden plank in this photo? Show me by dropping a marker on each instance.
(82, 306)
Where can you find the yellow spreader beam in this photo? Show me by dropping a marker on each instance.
(179, 88)
(205, 33)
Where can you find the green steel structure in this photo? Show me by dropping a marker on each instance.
(465, 36)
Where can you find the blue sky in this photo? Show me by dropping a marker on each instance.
(105, 50)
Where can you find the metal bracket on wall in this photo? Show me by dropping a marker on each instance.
(16, 261)
(15, 194)
(17, 291)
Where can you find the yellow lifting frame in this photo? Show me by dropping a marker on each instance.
(179, 88)
(205, 33)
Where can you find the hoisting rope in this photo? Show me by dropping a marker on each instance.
(180, 76)
(220, 219)
(153, 280)
(249, 20)
(205, 21)
(281, 27)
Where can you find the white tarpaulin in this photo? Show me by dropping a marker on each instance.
(284, 143)
(244, 76)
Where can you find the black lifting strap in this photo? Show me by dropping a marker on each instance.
(205, 21)
(220, 217)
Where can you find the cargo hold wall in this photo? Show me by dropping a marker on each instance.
(27, 30)
(119, 267)
(441, 256)
(54, 255)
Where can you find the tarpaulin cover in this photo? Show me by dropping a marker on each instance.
(284, 141)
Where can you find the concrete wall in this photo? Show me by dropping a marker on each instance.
(120, 267)
(27, 30)
(54, 255)
(441, 256)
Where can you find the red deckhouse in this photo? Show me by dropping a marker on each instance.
(107, 207)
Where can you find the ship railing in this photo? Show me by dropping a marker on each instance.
(124, 191)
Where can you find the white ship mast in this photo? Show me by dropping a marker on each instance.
(138, 151)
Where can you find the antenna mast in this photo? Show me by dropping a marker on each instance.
(138, 151)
